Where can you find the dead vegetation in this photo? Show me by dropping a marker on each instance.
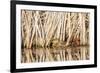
(43, 32)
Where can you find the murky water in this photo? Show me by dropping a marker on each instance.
(55, 54)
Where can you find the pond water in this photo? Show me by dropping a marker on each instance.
(55, 54)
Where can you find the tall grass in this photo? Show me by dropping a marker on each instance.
(45, 29)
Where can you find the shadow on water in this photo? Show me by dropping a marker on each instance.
(55, 54)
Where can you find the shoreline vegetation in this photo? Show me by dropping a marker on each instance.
(43, 32)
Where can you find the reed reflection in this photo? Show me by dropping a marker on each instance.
(55, 54)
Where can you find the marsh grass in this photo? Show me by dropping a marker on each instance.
(43, 33)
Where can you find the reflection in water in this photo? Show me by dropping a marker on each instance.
(55, 54)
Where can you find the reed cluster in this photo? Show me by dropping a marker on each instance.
(42, 29)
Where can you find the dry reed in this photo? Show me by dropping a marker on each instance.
(43, 30)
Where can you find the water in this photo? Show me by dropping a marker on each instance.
(55, 54)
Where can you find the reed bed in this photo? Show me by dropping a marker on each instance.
(47, 36)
